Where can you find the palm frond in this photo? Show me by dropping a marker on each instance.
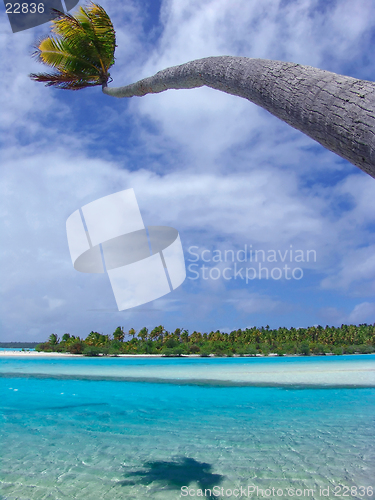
(99, 25)
(82, 47)
(65, 80)
(59, 54)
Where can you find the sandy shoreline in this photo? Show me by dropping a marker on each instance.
(67, 354)
(305, 371)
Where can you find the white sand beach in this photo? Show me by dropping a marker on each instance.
(35, 353)
(346, 371)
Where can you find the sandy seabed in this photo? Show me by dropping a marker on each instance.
(72, 428)
(330, 371)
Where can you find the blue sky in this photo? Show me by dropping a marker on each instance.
(222, 171)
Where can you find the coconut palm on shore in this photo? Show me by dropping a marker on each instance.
(335, 110)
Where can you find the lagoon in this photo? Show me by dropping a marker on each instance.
(139, 428)
(325, 371)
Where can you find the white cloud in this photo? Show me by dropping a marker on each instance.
(54, 303)
(361, 313)
(251, 303)
(356, 273)
(222, 171)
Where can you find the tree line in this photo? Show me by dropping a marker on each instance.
(19, 345)
(347, 339)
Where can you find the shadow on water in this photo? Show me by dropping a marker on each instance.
(176, 474)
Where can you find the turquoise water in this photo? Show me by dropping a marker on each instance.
(84, 438)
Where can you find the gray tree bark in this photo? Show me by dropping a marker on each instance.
(335, 110)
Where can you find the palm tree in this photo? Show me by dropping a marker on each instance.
(132, 332)
(81, 53)
(196, 336)
(157, 333)
(119, 334)
(143, 334)
(335, 110)
(185, 336)
(97, 339)
(53, 339)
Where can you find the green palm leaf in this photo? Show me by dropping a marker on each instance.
(82, 50)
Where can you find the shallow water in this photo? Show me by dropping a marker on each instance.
(91, 439)
(334, 371)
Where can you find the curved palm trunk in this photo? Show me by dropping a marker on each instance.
(335, 110)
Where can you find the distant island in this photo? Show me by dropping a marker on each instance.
(18, 345)
(315, 340)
